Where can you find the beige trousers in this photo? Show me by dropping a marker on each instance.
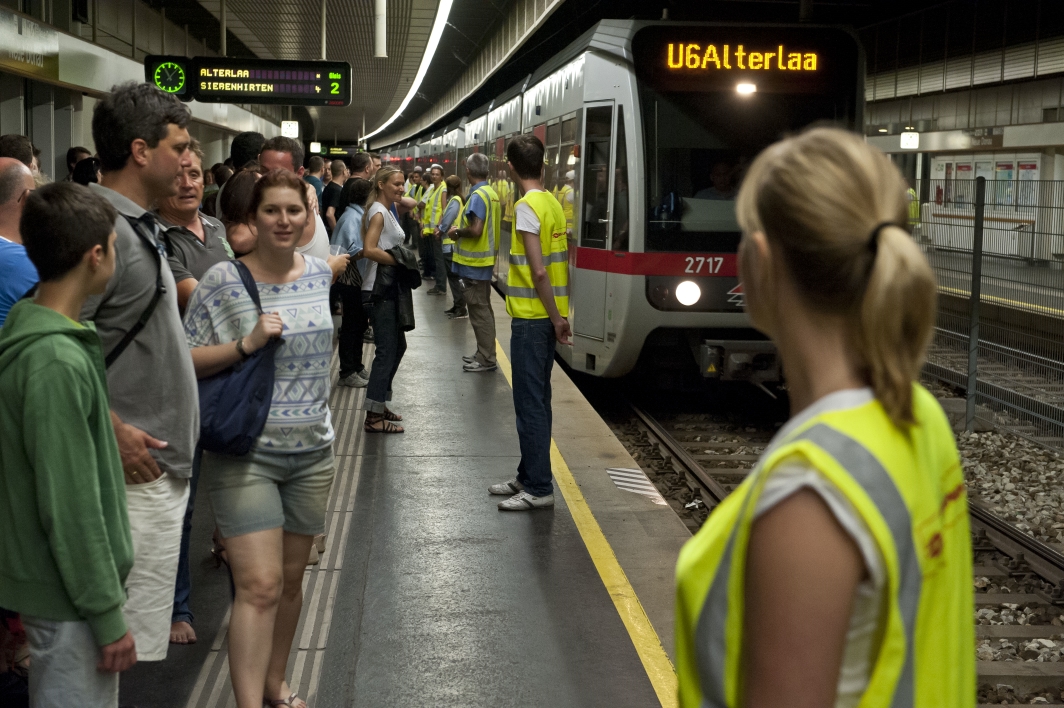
(156, 514)
(481, 318)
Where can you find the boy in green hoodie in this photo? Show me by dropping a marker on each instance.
(65, 545)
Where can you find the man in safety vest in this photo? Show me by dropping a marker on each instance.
(914, 209)
(416, 191)
(431, 205)
(474, 261)
(537, 298)
(565, 198)
(505, 191)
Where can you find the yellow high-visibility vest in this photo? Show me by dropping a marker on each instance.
(908, 487)
(433, 209)
(567, 206)
(506, 198)
(914, 207)
(460, 222)
(521, 298)
(481, 252)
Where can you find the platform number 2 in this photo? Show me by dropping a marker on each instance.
(335, 90)
(695, 264)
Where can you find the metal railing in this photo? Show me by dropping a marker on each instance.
(997, 249)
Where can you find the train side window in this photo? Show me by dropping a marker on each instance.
(551, 179)
(598, 127)
(620, 188)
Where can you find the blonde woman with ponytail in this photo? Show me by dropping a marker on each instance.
(381, 233)
(839, 572)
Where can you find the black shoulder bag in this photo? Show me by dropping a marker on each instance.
(235, 403)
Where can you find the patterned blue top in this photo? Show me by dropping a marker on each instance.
(220, 310)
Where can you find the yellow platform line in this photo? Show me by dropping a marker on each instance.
(647, 644)
(1015, 304)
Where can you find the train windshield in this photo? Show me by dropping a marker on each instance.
(701, 133)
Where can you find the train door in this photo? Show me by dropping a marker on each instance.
(588, 295)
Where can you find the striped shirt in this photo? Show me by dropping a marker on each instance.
(220, 311)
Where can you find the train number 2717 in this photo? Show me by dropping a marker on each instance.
(698, 264)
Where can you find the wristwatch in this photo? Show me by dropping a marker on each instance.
(240, 349)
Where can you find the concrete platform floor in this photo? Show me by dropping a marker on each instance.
(427, 594)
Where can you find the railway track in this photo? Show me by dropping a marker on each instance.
(1019, 580)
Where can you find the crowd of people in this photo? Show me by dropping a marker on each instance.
(135, 289)
(132, 308)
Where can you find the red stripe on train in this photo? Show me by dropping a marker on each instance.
(623, 262)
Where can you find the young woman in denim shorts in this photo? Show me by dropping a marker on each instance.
(270, 503)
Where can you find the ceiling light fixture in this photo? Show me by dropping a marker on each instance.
(746, 89)
(426, 60)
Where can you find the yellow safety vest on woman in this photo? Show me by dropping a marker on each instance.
(433, 209)
(459, 222)
(521, 298)
(481, 252)
(908, 487)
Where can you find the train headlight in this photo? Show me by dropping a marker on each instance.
(746, 89)
(688, 293)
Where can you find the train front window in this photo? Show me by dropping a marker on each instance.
(700, 133)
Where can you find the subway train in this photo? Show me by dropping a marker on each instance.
(649, 127)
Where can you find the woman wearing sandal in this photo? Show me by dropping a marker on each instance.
(382, 232)
(270, 503)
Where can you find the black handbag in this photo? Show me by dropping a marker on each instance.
(235, 403)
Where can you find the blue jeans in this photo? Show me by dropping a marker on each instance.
(532, 358)
(183, 587)
(390, 342)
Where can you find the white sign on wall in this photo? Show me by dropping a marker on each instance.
(315, 148)
(910, 141)
(290, 128)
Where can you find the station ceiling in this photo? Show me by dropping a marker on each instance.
(291, 29)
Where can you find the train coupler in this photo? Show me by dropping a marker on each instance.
(737, 360)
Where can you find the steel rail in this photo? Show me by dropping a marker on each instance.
(679, 453)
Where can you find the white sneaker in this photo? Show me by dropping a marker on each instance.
(364, 374)
(476, 367)
(507, 488)
(523, 501)
(353, 381)
(469, 359)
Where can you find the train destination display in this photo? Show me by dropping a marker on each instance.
(691, 56)
(228, 80)
(783, 60)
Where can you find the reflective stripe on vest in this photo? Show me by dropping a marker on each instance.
(480, 253)
(433, 210)
(522, 300)
(880, 488)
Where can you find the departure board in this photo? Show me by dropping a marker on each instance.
(307, 83)
(229, 80)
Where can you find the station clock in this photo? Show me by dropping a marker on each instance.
(170, 77)
(171, 74)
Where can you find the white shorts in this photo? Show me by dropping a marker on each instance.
(156, 514)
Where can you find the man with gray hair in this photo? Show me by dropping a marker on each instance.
(474, 261)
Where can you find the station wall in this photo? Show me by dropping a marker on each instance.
(51, 78)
